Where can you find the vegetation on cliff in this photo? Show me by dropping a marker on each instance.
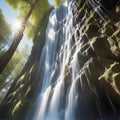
(95, 45)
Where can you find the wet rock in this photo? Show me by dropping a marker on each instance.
(117, 81)
(88, 62)
(108, 4)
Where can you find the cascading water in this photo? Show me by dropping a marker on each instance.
(67, 89)
(51, 101)
(50, 96)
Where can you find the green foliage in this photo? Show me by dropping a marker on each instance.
(5, 30)
(58, 2)
(24, 6)
(15, 4)
(13, 68)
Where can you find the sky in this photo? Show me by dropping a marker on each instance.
(10, 16)
(50, 1)
(7, 11)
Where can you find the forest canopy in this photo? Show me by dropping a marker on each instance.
(30, 14)
(5, 31)
(23, 6)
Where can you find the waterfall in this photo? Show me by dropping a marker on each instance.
(52, 88)
(54, 102)
(68, 90)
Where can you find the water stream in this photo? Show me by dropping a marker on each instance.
(52, 92)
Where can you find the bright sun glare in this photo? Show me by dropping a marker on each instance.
(16, 25)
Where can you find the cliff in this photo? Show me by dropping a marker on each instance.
(76, 75)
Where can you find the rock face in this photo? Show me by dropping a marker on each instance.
(99, 57)
(86, 73)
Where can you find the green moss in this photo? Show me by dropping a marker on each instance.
(21, 79)
(31, 69)
(79, 1)
(16, 107)
(14, 93)
(28, 91)
(110, 72)
(21, 87)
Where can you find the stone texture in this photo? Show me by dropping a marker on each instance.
(97, 39)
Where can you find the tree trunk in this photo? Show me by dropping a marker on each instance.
(5, 58)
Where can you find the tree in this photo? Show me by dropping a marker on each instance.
(38, 12)
(5, 58)
(58, 2)
(12, 69)
(26, 76)
(5, 30)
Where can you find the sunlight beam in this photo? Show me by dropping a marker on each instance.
(16, 25)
